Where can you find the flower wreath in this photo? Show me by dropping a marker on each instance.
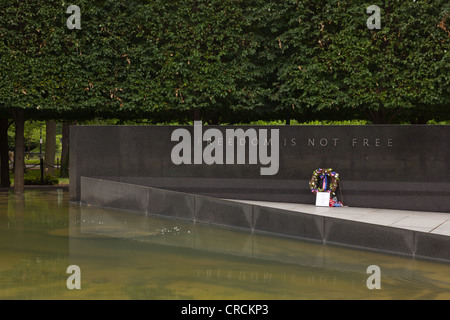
(325, 174)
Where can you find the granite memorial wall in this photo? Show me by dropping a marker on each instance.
(380, 166)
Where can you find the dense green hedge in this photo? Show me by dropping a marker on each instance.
(34, 178)
(226, 61)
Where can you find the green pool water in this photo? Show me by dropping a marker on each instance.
(122, 255)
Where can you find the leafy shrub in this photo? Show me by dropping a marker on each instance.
(30, 179)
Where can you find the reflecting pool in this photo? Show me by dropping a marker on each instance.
(122, 255)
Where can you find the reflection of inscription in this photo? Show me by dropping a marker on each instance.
(241, 275)
(310, 280)
(320, 281)
(336, 142)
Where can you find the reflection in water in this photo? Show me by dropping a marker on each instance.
(16, 210)
(123, 255)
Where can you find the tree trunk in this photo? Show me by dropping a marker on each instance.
(4, 156)
(50, 147)
(65, 150)
(197, 116)
(19, 152)
(288, 117)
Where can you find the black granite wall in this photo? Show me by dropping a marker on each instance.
(258, 219)
(381, 166)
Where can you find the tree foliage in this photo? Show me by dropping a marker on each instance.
(337, 65)
(226, 61)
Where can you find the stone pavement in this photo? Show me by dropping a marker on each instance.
(417, 234)
(430, 222)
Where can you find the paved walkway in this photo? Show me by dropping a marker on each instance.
(431, 222)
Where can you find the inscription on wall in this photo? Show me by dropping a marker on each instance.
(391, 166)
(336, 142)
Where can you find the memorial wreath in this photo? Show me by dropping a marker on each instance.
(324, 180)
